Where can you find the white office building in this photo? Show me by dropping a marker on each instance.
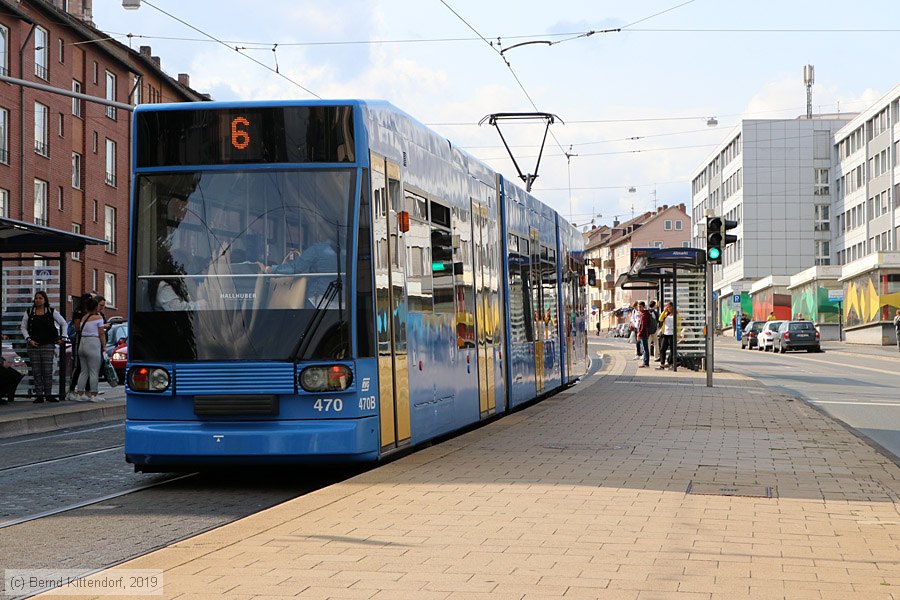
(773, 178)
(866, 219)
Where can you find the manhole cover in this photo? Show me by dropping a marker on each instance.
(727, 489)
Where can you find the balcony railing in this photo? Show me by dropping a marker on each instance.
(42, 72)
(4, 156)
(42, 148)
(111, 179)
(111, 246)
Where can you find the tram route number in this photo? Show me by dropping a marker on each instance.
(367, 403)
(329, 405)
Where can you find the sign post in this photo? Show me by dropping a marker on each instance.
(838, 296)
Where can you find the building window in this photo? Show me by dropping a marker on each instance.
(76, 170)
(110, 162)
(59, 198)
(668, 226)
(41, 143)
(40, 202)
(823, 217)
(109, 289)
(109, 228)
(94, 142)
(135, 89)
(95, 71)
(657, 244)
(41, 52)
(4, 203)
(820, 187)
(111, 94)
(76, 102)
(61, 125)
(4, 50)
(823, 252)
(62, 51)
(685, 244)
(679, 225)
(76, 228)
(4, 136)
(94, 213)
(94, 281)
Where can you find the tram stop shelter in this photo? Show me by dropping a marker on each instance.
(34, 257)
(678, 275)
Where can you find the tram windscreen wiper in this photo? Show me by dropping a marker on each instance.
(333, 290)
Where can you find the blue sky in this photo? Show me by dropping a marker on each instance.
(671, 66)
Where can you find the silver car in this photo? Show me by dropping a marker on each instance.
(766, 339)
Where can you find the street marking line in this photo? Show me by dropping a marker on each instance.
(831, 364)
(856, 402)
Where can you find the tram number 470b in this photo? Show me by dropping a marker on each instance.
(329, 405)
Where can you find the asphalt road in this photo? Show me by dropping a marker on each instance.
(861, 390)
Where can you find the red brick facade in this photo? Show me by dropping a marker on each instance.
(89, 134)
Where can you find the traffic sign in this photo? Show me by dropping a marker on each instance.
(737, 299)
(836, 295)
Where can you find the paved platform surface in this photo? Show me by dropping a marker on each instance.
(23, 417)
(634, 485)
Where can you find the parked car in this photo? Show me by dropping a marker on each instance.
(117, 333)
(119, 358)
(750, 335)
(797, 335)
(766, 337)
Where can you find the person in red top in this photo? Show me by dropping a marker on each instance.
(643, 334)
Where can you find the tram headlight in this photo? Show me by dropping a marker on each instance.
(326, 378)
(148, 379)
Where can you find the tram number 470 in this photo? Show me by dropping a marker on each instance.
(329, 405)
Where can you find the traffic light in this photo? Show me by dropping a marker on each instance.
(717, 238)
(592, 277)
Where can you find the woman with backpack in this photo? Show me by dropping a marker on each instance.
(41, 327)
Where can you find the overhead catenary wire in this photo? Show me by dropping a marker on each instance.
(260, 63)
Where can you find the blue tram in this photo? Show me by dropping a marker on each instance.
(331, 281)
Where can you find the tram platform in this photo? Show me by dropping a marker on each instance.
(23, 417)
(635, 484)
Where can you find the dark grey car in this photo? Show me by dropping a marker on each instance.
(797, 335)
(750, 335)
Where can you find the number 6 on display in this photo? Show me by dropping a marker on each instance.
(240, 138)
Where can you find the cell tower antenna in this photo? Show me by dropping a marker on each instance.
(809, 78)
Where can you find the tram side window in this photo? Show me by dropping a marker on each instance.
(442, 270)
(365, 321)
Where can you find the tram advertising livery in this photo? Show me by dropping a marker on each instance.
(331, 282)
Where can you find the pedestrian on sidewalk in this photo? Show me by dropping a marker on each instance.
(90, 350)
(42, 329)
(643, 334)
(897, 328)
(635, 322)
(653, 340)
(9, 382)
(668, 334)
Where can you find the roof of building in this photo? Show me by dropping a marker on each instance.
(116, 50)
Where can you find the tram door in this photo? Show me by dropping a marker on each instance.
(390, 304)
(485, 326)
(537, 305)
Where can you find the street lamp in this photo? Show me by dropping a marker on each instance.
(710, 122)
(131, 4)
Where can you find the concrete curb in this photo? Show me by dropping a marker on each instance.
(62, 417)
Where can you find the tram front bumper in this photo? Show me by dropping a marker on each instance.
(151, 443)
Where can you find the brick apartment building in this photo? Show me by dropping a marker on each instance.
(65, 162)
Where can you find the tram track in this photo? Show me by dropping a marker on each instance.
(83, 503)
(41, 463)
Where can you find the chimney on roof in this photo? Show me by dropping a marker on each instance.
(184, 79)
(87, 11)
(155, 60)
(615, 222)
(146, 51)
(681, 207)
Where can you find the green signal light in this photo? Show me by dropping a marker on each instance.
(438, 266)
(714, 253)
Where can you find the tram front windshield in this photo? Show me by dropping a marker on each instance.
(241, 265)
